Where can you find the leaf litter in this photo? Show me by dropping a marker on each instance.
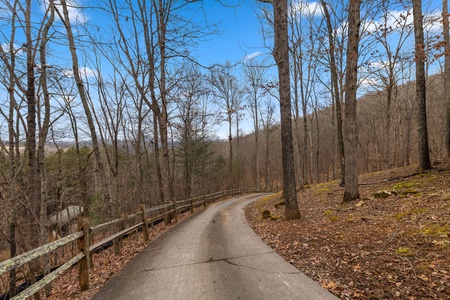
(391, 247)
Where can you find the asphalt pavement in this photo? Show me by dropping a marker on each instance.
(212, 255)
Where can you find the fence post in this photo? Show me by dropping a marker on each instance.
(192, 205)
(176, 211)
(204, 200)
(144, 220)
(167, 218)
(83, 246)
(118, 241)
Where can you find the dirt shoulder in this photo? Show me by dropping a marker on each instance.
(393, 243)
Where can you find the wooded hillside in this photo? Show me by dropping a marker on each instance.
(106, 107)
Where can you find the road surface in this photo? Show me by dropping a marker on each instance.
(212, 255)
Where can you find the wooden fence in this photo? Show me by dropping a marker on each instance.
(121, 227)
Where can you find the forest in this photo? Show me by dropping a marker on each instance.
(102, 117)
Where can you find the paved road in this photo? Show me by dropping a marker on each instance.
(212, 255)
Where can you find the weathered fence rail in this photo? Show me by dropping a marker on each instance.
(84, 237)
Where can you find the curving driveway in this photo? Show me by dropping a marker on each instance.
(212, 255)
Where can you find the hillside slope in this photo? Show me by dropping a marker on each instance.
(392, 244)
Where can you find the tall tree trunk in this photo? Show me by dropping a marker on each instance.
(230, 143)
(138, 195)
(406, 158)
(266, 164)
(281, 55)
(301, 175)
(420, 57)
(317, 171)
(44, 129)
(351, 191)
(445, 24)
(157, 159)
(237, 151)
(257, 158)
(258, 172)
(31, 125)
(33, 185)
(187, 142)
(163, 10)
(65, 18)
(13, 159)
(387, 131)
(336, 94)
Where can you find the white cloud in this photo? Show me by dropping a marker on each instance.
(252, 55)
(88, 72)
(84, 72)
(396, 20)
(18, 50)
(304, 8)
(76, 15)
(433, 22)
(368, 82)
(378, 64)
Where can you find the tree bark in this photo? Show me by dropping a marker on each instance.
(43, 133)
(351, 191)
(33, 180)
(163, 11)
(230, 143)
(336, 93)
(420, 57)
(445, 25)
(13, 159)
(281, 55)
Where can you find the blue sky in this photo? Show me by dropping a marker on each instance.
(239, 32)
(240, 29)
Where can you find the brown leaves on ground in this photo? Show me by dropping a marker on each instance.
(396, 247)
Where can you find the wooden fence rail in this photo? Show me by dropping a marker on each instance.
(85, 248)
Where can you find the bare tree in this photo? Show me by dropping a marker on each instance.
(33, 179)
(109, 118)
(281, 55)
(163, 11)
(387, 69)
(335, 94)
(9, 81)
(267, 119)
(227, 88)
(351, 191)
(445, 27)
(82, 92)
(420, 57)
(190, 122)
(254, 77)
